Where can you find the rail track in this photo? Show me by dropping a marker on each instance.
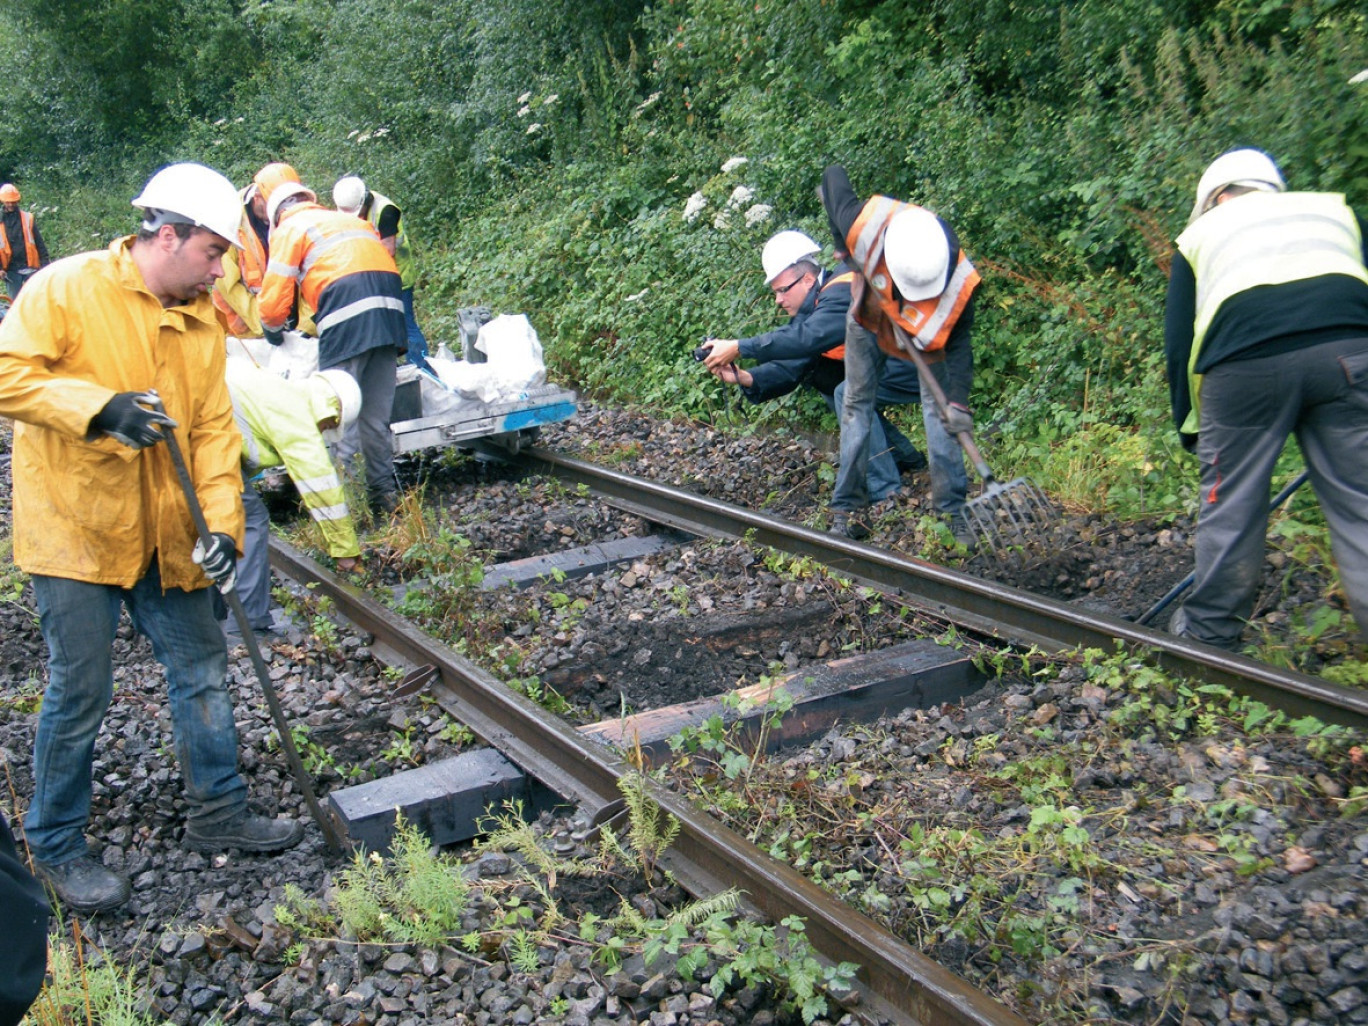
(896, 982)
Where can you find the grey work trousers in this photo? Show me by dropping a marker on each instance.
(375, 371)
(1249, 407)
(254, 568)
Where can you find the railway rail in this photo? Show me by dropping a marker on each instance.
(896, 983)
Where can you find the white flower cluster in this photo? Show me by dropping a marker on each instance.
(525, 109)
(740, 197)
(694, 207)
(356, 135)
(758, 213)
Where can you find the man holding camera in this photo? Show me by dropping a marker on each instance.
(809, 350)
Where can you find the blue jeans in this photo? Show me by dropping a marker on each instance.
(863, 439)
(417, 341)
(881, 466)
(78, 620)
(254, 568)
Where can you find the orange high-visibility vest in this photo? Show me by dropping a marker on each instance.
(838, 352)
(30, 244)
(928, 321)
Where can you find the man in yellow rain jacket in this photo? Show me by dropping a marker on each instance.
(101, 520)
(288, 424)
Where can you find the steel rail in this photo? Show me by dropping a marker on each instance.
(894, 980)
(996, 609)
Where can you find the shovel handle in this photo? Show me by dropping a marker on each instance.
(930, 384)
(1183, 585)
(287, 745)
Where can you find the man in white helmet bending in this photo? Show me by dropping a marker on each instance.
(1266, 335)
(101, 520)
(809, 350)
(289, 423)
(912, 274)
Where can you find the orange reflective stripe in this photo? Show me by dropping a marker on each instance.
(252, 257)
(848, 278)
(928, 321)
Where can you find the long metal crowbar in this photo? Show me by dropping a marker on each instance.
(287, 745)
(1018, 504)
(1186, 583)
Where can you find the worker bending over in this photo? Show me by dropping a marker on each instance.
(289, 424)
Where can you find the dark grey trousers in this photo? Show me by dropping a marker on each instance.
(1249, 408)
(374, 371)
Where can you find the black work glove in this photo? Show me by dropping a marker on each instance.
(126, 419)
(218, 561)
(275, 336)
(957, 419)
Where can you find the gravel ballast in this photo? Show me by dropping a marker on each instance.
(1274, 935)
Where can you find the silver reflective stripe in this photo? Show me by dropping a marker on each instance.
(318, 484)
(930, 328)
(319, 244)
(868, 249)
(284, 269)
(1280, 242)
(356, 309)
(338, 512)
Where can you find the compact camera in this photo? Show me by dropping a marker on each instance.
(701, 353)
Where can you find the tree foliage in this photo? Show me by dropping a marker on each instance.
(544, 152)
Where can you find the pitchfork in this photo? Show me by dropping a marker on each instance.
(1018, 506)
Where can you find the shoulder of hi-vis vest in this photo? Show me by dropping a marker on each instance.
(403, 250)
(1268, 238)
(928, 321)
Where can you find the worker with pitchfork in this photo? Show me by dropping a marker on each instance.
(912, 274)
(90, 352)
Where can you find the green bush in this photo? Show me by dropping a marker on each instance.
(545, 154)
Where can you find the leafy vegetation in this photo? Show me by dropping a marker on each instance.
(417, 895)
(546, 154)
(1032, 888)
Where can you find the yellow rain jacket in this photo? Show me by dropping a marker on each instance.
(96, 510)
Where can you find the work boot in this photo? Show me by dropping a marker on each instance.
(83, 885)
(964, 533)
(384, 504)
(849, 524)
(912, 464)
(247, 832)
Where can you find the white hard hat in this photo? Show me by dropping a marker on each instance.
(334, 393)
(283, 192)
(349, 194)
(1251, 168)
(917, 252)
(783, 251)
(194, 194)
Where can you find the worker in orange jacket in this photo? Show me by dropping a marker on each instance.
(22, 250)
(336, 263)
